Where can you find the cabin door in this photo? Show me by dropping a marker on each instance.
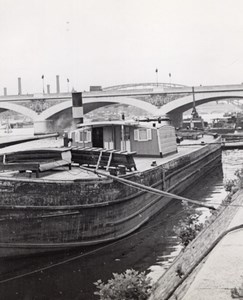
(97, 137)
(125, 142)
(128, 145)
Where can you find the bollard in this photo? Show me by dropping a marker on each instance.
(113, 171)
(122, 169)
(66, 139)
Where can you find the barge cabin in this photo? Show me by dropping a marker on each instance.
(153, 139)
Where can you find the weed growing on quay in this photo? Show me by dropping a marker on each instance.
(130, 285)
(188, 228)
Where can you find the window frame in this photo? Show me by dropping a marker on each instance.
(137, 136)
(79, 133)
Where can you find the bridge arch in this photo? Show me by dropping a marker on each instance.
(19, 109)
(175, 108)
(90, 104)
(185, 103)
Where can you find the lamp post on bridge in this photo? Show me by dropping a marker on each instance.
(68, 85)
(157, 71)
(43, 83)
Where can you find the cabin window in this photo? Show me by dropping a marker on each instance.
(142, 134)
(83, 136)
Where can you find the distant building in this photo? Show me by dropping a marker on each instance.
(95, 88)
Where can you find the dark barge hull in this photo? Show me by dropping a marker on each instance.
(38, 216)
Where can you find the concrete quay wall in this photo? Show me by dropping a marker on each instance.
(172, 286)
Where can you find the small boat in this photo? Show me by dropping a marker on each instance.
(224, 125)
(90, 190)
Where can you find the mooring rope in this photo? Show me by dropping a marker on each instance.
(149, 189)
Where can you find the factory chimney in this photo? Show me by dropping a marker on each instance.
(58, 84)
(19, 86)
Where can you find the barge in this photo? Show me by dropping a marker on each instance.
(58, 204)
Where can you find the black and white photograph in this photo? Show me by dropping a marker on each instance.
(121, 150)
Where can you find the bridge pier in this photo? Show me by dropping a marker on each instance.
(43, 127)
(176, 118)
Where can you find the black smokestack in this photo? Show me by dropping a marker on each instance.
(77, 109)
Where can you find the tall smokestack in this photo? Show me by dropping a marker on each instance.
(5, 91)
(48, 89)
(19, 86)
(58, 84)
(77, 109)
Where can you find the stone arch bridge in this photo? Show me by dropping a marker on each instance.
(49, 111)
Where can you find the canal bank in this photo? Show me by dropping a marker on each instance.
(212, 264)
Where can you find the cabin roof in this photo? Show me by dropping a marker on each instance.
(131, 123)
(108, 123)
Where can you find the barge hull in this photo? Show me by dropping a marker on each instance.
(38, 216)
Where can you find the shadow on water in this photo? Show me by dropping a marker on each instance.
(74, 280)
(71, 275)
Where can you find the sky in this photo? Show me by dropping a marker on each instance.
(113, 42)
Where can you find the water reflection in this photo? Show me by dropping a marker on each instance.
(152, 248)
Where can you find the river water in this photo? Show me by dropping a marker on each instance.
(152, 249)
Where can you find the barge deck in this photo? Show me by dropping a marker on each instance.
(63, 173)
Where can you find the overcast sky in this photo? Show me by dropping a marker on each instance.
(111, 42)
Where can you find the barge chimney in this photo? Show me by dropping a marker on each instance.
(48, 89)
(58, 84)
(5, 91)
(19, 86)
(77, 109)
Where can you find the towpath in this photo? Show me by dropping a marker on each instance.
(212, 264)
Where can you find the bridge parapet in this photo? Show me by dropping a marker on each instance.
(28, 97)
